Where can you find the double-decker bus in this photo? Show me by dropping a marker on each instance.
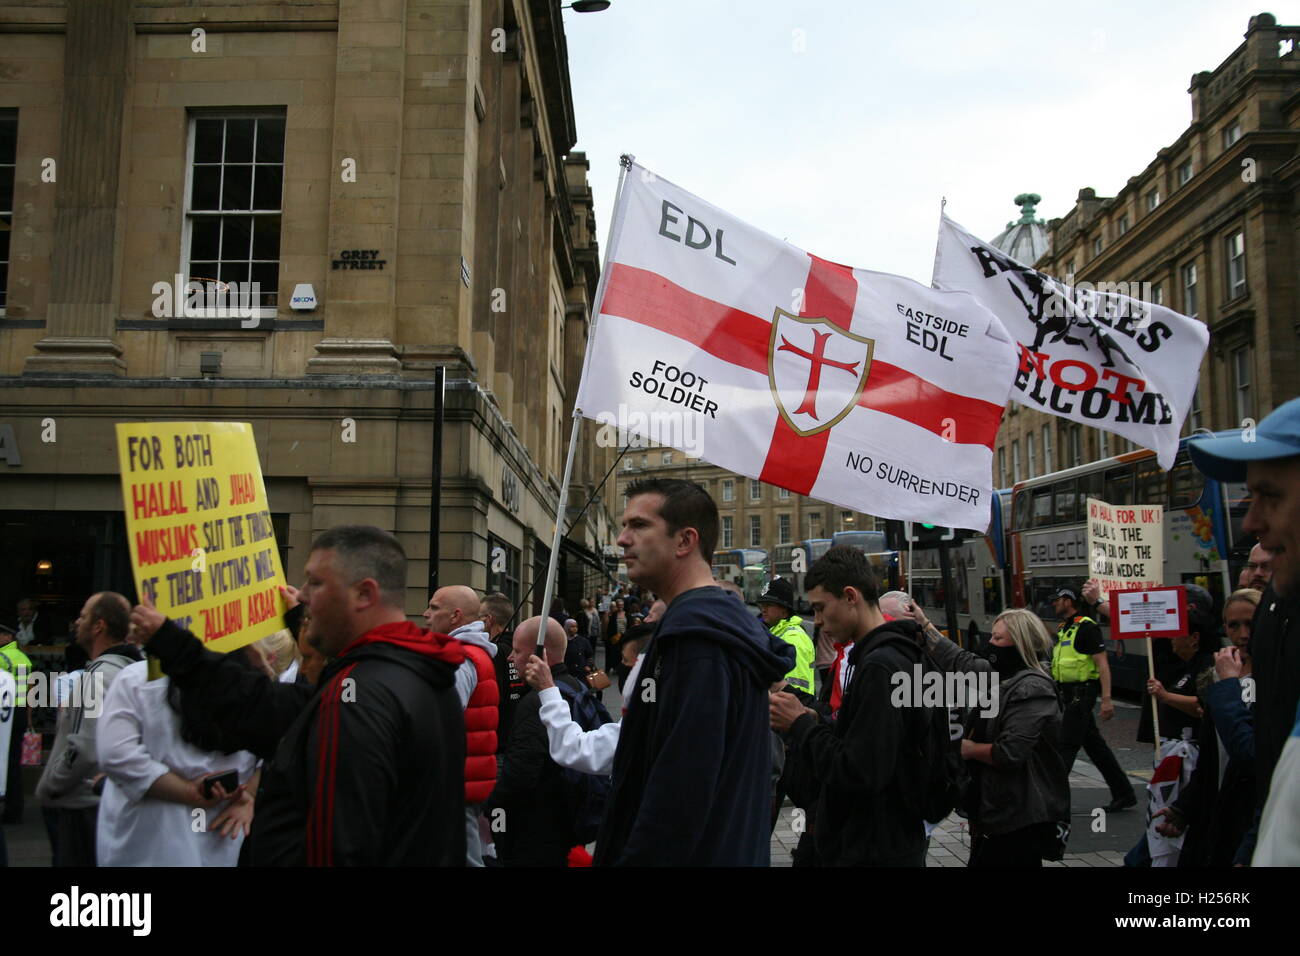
(884, 562)
(745, 567)
(783, 565)
(866, 541)
(978, 565)
(1047, 539)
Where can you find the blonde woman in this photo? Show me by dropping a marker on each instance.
(1019, 788)
(280, 653)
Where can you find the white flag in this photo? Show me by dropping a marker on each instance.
(1172, 774)
(1092, 354)
(866, 390)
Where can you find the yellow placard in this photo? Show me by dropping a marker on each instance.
(199, 527)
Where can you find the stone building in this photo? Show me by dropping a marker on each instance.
(395, 176)
(751, 514)
(1213, 224)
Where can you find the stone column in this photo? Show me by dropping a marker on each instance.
(360, 304)
(88, 220)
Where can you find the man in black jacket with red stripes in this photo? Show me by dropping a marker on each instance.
(367, 769)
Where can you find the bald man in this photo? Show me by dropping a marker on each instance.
(531, 796)
(656, 611)
(455, 611)
(1258, 571)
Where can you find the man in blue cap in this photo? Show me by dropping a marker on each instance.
(1267, 458)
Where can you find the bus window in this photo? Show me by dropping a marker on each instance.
(1118, 486)
(1186, 484)
(1023, 500)
(1152, 484)
(1042, 506)
(1211, 582)
(1090, 486)
(992, 596)
(1040, 593)
(1238, 497)
(1066, 502)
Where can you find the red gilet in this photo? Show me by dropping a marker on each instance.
(481, 715)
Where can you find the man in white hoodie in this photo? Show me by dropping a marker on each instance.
(455, 611)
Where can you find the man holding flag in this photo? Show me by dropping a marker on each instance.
(861, 389)
(691, 773)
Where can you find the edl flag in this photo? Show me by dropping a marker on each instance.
(1092, 354)
(866, 390)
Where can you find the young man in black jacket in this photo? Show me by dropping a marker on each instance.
(496, 614)
(691, 782)
(860, 764)
(368, 768)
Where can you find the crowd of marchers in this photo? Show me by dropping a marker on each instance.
(358, 737)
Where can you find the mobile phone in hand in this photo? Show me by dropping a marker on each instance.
(229, 780)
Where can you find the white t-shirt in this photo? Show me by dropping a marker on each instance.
(589, 751)
(1279, 829)
(138, 741)
(8, 698)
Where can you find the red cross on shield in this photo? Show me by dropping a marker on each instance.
(816, 370)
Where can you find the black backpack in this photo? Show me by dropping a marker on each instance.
(933, 774)
(587, 793)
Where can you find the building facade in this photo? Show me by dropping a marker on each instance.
(751, 514)
(1213, 225)
(291, 215)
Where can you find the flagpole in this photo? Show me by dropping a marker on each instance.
(561, 508)
(907, 526)
(938, 242)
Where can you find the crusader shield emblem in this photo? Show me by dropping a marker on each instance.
(816, 371)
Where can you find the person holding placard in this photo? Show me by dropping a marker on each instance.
(368, 769)
(1216, 806)
(1174, 686)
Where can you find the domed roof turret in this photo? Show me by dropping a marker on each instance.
(1026, 238)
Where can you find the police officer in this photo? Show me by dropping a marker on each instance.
(776, 604)
(1081, 670)
(15, 662)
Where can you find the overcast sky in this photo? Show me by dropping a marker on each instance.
(839, 125)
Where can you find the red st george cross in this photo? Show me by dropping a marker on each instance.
(735, 336)
(818, 358)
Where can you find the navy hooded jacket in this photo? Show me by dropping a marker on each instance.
(692, 773)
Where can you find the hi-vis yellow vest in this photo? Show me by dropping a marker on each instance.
(790, 631)
(13, 660)
(1068, 665)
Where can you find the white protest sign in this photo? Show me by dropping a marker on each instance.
(1159, 612)
(1125, 546)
